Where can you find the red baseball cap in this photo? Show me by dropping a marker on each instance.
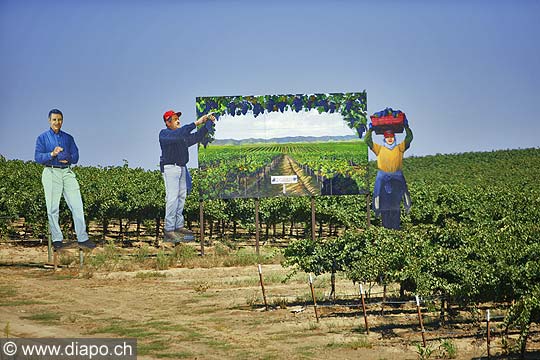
(170, 113)
(388, 133)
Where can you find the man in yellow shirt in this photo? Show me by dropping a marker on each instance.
(390, 185)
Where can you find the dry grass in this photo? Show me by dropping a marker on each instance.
(209, 312)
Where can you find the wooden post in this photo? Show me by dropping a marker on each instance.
(368, 210)
(383, 297)
(55, 260)
(257, 232)
(313, 218)
(49, 246)
(201, 225)
(262, 287)
(313, 296)
(158, 225)
(420, 321)
(442, 315)
(368, 198)
(488, 334)
(81, 259)
(364, 308)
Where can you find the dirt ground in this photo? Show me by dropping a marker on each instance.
(215, 313)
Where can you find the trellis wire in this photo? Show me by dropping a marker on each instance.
(418, 301)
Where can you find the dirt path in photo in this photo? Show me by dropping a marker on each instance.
(287, 166)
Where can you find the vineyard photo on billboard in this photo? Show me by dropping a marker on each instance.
(284, 145)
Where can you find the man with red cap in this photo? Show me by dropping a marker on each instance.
(390, 185)
(175, 141)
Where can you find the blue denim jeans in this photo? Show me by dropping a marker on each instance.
(58, 182)
(175, 196)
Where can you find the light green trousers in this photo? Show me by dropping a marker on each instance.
(58, 182)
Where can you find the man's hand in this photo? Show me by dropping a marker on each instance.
(205, 118)
(211, 117)
(56, 151)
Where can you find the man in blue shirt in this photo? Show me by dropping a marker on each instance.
(174, 142)
(57, 151)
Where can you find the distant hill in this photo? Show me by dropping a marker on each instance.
(288, 139)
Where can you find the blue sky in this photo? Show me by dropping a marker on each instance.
(465, 72)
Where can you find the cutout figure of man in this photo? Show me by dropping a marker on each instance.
(390, 185)
(175, 141)
(56, 150)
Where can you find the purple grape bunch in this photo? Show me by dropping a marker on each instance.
(211, 104)
(331, 107)
(310, 102)
(231, 108)
(297, 104)
(270, 105)
(257, 109)
(361, 129)
(245, 107)
(323, 103)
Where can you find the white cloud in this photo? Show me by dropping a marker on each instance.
(277, 125)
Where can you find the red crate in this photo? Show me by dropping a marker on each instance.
(388, 122)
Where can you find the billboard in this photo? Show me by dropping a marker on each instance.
(284, 145)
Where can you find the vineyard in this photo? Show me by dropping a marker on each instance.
(334, 168)
(472, 235)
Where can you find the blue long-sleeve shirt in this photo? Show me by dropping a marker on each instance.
(175, 143)
(45, 144)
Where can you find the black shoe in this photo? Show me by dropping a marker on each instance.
(171, 237)
(87, 245)
(184, 234)
(59, 245)
(188, 238)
